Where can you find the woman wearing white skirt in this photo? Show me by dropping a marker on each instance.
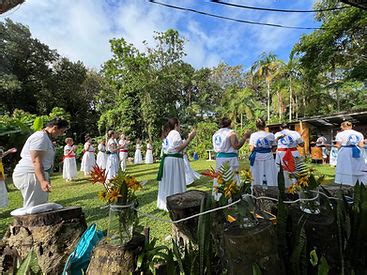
(226, 146)
(333, 155)
(123, 145)
(88, 160)
(262, 163)
(149, 153)
(138, 159)
(69, 170)
(102, 156)
(112, 166)
(171, 174)
(350, 166)
(190, 174)
(3, 191)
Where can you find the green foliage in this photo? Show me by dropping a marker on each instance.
(203, 139)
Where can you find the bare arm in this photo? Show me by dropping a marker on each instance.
(237, 144)
(187, 142)
(37, 157)
(252, 148)
(361, 144)
(10, 151)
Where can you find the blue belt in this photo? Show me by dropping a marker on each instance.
(257, 150)
(356, 152)
(226, 155)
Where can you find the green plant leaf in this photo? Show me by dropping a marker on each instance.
(313, 257)
(323, 268)
(26, 264)
(38, 124)
(256, 269)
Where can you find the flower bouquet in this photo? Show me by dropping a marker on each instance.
(228, 188)
(120, 194)
(306, 185)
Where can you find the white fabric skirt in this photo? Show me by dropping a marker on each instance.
(233, 162)
(278, 161)
(88, 161)
(3, 195)
(69, 170)
(138, 157)
(112, 166)
(149, 157)
(173, 180)
(190, 174)
(349, 169)
(333, 156)
(264, 170)
(102, 160)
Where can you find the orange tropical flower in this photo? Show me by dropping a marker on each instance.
(230, 219)
(98, 175)
(113, 195)
(230, 189)
(292, 189)
(211, 173)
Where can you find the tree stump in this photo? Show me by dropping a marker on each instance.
(53, 235)
(246, 247)
(116, 259)
(183, 205)
(321, 234)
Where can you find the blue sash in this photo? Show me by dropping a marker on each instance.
(227, 155)
(356, 152)
(257, 150)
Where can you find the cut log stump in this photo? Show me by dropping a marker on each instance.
(53, 236)
(246, 247)
(116, 259)
(183, 205)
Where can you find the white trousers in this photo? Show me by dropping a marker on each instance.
(30, 188)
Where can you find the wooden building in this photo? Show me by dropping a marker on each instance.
(326, 125)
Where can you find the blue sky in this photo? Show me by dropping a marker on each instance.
(81, 29)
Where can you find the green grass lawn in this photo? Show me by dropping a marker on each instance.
(83, 193)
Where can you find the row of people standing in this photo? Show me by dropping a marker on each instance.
(263, 167)
(118, 151)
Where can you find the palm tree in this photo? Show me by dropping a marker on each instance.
(267, 67)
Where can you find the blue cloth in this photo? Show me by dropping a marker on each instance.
(196, 156)
(257, 150)
(356, 152)
(78, 261)
(227, 155)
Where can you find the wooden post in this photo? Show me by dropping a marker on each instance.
(303, 128)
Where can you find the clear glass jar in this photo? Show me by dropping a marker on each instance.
(310, 201)
(121, 224)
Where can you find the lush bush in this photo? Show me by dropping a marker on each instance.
(203, 139)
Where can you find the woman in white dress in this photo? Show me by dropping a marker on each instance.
(171, 174)
(138, 159)
(102, 156)
(112, 165)
(3, 191)
(350, 166)
(190, 174)
(69, 171)
(333, 155)
(262, 163)
(226, 146)
(149, 153)
(123, 145)
(287, 153)
(88, 160)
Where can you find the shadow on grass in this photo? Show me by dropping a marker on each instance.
(96, 213)
(74, 200)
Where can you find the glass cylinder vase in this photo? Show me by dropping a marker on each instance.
(121, 224)
(310, 201)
